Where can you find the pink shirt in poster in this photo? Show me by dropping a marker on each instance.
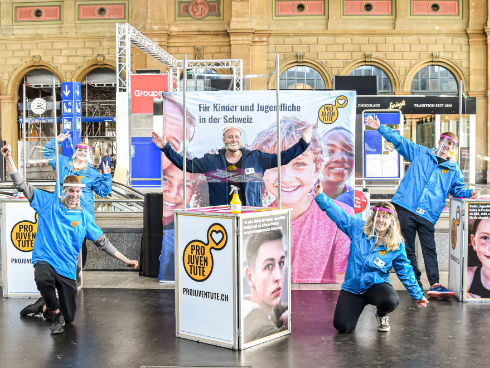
(319, 250)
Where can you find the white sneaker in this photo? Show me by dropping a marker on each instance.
(383, 323)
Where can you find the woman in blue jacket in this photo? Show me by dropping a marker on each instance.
(376, 247)
(79, 165)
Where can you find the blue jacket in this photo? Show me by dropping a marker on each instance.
(362, 272)
(426, 184)
(60, 233)
(254, 164)
(99, 183)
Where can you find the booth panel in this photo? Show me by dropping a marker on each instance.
(206, 279)
(477, 252)
(19, 229)
(456, 256)
(265, 297)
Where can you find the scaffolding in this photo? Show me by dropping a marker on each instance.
(128, 36)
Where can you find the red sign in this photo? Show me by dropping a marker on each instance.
(145, 87)
(360, 201)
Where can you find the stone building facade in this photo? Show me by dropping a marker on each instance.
(71, 38)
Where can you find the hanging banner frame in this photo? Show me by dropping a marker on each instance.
(399, 161)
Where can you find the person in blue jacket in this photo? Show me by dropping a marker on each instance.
(250, 164)
(62, 226)
(79, 165)
(376, 247)
(422, 195)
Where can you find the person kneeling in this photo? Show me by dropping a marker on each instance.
(376, 247)
(62, 226)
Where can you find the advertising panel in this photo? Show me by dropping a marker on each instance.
(456, 241)
(265, 298)
(18, 234)
(478, 252)
(19, 230)
(205, 274)
(319, 249)
(381, 160)
(145, 87)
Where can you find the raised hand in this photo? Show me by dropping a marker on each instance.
(7, 151)
(373, 123)
(62, 137)
(307, 133)
(161, 142)
(107, 169)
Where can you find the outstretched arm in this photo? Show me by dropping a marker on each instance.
(51, 148)
(19, 183)
(405, 147)
(193, 166)
(344, 222)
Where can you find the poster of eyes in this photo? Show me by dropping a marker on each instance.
(319, 250)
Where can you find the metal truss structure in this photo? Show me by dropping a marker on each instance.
(127, 36)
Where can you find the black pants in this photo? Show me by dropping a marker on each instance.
(350, 306)
(48, 281)
(410, 224)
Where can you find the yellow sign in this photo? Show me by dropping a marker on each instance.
(396, 105)
(23, 235)
(329, 113)
(454, 228)
(445, 171)
(198, 259)
(382, 252)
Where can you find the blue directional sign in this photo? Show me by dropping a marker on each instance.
(71, 100)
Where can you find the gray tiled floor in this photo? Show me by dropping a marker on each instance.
(132, 280)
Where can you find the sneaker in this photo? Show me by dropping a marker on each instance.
(34, 308)
(58, 323)
(383, 324)
(421, 285)
(438, 291)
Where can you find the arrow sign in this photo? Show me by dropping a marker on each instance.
(66, 92)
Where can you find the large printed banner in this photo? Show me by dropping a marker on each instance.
(319, 250)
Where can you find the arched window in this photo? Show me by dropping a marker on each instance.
(206, 80)
(384, 83)
(434, 80)
(301, 77)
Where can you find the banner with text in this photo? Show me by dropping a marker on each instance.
(319, 249)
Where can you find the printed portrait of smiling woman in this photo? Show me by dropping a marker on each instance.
(478, 278)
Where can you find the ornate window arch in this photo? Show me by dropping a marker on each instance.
(385, 67)
(453, 68)
(315, 68)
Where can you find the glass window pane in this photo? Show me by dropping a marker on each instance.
(386, 84)
(423, 84)
(424, 73)
(415, 85)
(320, 84)
(300, 77)
(311, 83)
(282, 84)
(434, 85)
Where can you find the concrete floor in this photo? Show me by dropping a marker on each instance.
(124, 320)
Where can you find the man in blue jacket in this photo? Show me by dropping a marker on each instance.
(421, 197)
(63, 225)
(251, 165)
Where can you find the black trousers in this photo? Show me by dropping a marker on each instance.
(350, 305)
(410, 224)
(84, 252)
(48, 281)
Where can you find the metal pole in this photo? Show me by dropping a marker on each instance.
(278, 119)
(184, 145)
(24, 143)
(460, 128)
(56, 142)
